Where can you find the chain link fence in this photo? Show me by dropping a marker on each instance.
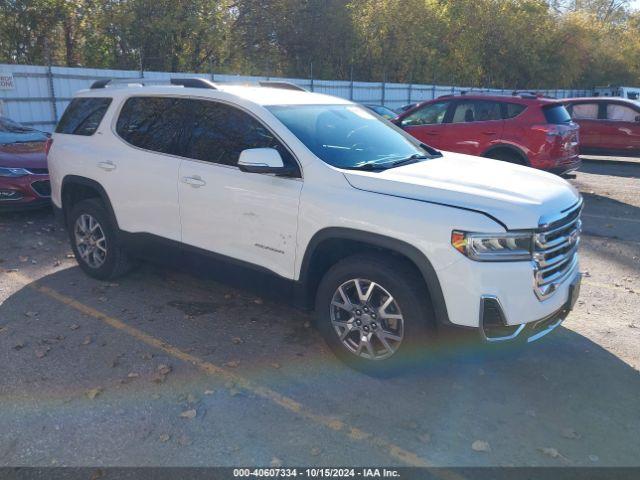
(37, 95)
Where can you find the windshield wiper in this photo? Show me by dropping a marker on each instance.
(417, 157)
(371, 166)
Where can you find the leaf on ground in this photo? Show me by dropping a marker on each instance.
(30, 314)
(232, 364)
(133, 375)
(184, 441)
(276, 462)
(570, 433)
(209, 392)
(19, 345)
(87, 340)
(75, 326)
(93, 392)
(315, 451)
(164, 369)
(424, 438)
(191, 413)
(236, 340)
(258, 301)
(42, 352)
(550, 452)
(481, 446)
(275, 365)
(164, 438)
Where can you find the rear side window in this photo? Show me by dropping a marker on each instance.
(512, 110)
(585, 111)
(556, 114)
(476, 111)
(219, 132)
(155, 123)
(83, 116)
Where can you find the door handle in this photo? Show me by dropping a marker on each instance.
(433, 132)
(489, 133)
(107, 166)
(194, 181)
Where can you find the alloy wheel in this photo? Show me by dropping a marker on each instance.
(367, 319)
(90, 240)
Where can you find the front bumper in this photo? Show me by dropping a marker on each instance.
(494, 328)
(29, 191)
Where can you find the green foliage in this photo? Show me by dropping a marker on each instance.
(502, 43)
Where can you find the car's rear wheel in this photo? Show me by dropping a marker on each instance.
(507, 156)
(373, 313)
(95, 242)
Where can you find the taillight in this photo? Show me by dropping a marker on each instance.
(47, 145)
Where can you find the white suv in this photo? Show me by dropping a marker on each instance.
(384, 237)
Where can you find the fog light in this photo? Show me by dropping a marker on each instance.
(10, 195)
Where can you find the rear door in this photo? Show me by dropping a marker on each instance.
(475, 126)
(592, 131)
(140, 171)
(427, 124)
(622, 127)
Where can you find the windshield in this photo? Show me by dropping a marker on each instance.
(348, 136)
(13, 132)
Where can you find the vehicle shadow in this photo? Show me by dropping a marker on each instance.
(629, 170)
(564, 394)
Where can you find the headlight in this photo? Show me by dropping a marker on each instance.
(493, 247)
(13, 172)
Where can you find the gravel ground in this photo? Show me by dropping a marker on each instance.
(165, 368)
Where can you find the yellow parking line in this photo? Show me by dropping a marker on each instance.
(353, 433)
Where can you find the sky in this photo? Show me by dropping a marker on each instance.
(635, 4)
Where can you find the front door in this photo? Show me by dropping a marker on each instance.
(427, 124)
(622, 129)
(246, 216)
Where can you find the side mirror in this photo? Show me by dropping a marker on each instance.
(262, 160)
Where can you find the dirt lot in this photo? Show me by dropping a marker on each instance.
(165, 368)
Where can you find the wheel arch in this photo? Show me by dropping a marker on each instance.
(505, 147)
(75, 189)
(331, 244)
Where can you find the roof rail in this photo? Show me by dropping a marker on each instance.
(283, 85)
(102, 83)
(185, 82)
(194, 83)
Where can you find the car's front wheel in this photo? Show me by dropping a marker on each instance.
(94, 241)
(374, 314)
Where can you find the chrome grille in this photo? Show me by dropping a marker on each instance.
(555, 251)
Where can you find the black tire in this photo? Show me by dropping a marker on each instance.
(116, 261)
(507, 156)
(405, 285)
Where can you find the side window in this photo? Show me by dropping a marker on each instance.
(433, 113)
(154, 123)
(476, 111)
(584, 111)
(83, 116)
(512, 110)
(219, 132)
(621, 113)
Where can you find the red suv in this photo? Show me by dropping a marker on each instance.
(523, 128)
(607, 125)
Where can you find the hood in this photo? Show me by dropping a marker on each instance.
(24, 155)
(516, 196)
